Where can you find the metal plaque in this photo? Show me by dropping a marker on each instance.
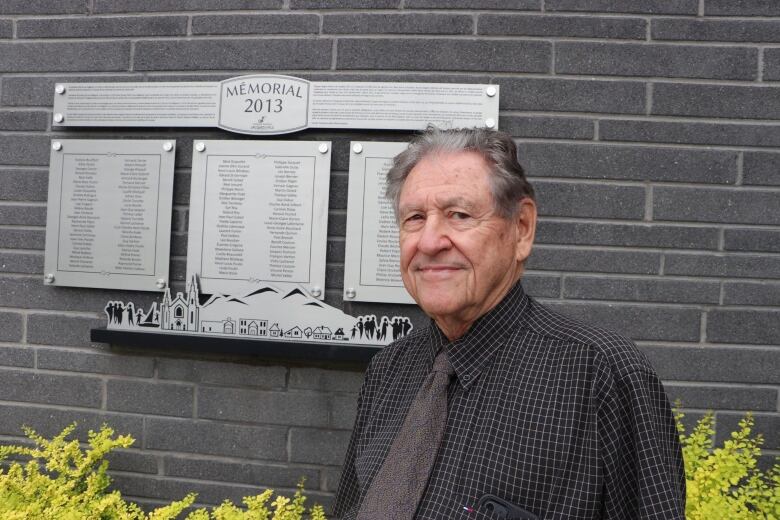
(109, 213)
(259, 311)
(264, 104)
(135, 104)
(372, 263)
(259, 213)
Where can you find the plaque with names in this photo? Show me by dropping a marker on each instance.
(266, 104)
(372, 263)
(259, 214)
(109, 213)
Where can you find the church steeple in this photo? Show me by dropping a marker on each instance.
(165, 310)
(193, 303)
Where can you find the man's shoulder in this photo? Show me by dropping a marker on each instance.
(616, 350)
(400, 351)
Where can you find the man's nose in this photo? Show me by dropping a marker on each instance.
(434, 236)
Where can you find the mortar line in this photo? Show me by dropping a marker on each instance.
(24, 338)
(553, 48)
(701, 82)
(131, 63)
(703, 327)
(740, 169)
(648, 202)
(195, 394)
(649, 99)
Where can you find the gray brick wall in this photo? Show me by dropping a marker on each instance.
(650, 127)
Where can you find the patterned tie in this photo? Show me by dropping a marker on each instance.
(397, 489)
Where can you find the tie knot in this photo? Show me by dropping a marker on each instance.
(442, 363)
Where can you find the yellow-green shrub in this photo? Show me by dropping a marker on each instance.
(725, 482)
(62, 482)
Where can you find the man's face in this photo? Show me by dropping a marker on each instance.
(458, 257)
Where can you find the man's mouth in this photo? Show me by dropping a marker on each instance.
(438, 270)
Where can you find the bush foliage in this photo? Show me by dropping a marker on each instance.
(60, 481)
(725, 482)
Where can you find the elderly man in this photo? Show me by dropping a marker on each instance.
(500, 408)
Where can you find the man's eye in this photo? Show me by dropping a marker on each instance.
(459, 215)
(416, 216)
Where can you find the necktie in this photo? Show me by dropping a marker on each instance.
(397, 488)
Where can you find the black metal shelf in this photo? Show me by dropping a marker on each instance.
(276, 350)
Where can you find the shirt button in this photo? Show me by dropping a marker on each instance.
(466, 378)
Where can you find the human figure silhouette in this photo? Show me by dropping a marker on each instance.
(383, 329)
(370, 326)
(396, 328)
(129, 310)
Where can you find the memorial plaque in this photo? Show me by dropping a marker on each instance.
(264, 104)
(372, 262)
(109, 213)
(259, 213)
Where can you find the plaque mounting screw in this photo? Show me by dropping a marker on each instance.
(323, 148)
(201, 146)
(58, 118)
(357, 148)
(49, 278)
(167, 146)
(316, 291)
(56, 146)
(160, 283)
(350, 293)
(59, 89)
(490, 91)
(490, 123)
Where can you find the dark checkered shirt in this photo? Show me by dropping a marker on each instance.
(561, 419)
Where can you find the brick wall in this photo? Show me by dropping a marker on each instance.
(650, 128)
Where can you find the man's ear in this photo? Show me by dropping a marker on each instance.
(525, 220)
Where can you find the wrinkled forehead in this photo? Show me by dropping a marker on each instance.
(443, 182)
(441, 200)
(452, 170)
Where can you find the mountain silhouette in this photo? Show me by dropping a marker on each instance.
(293, 293)
(261, 291)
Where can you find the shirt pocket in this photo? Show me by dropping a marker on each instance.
(455, 509)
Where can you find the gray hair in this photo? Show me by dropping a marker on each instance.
(508, 184)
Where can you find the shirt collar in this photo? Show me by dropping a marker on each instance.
(470, 354)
